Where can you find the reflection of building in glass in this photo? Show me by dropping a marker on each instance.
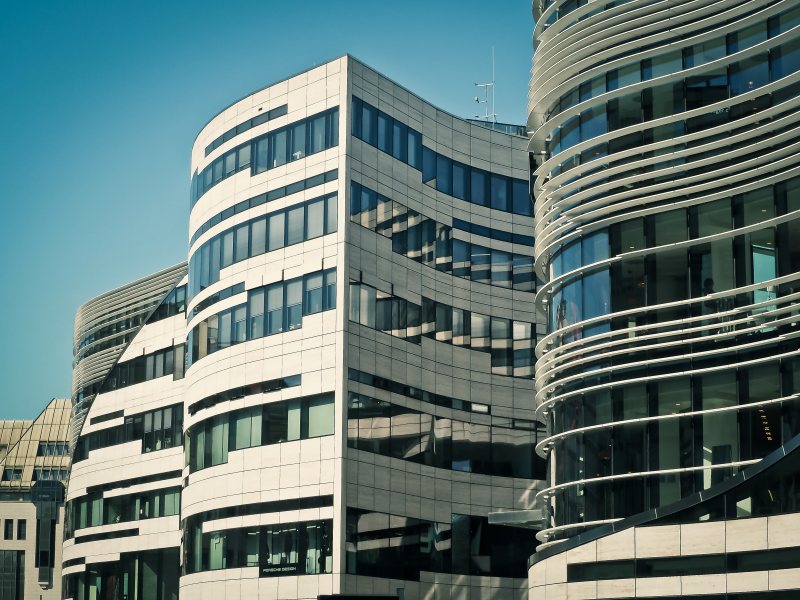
(34, 461)
(350, 377)
(667, 195)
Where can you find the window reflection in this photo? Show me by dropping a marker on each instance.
(404, 319)
(433, 244)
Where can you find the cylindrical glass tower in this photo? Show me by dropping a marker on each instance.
(667, 205)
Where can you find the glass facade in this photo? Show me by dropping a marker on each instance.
(510, 343)
(145, 368)
(442, 247)
(209, 441)
(12, 575)
(94, 509)
(398, 547)
(261, 199)
(695, 253)
(247, 125)
(416, 393)
(450, 177)
(303, 548)
(298, 223)
(148, 575)
(156, 429)
(274, 149)
(269, 310)
(394, 430)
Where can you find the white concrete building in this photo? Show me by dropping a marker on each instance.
(123, 528)
(360, 347)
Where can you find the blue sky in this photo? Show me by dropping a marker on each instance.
(99, 106)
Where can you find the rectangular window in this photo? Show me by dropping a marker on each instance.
(400, 141)
(275, 309)
(276, 231)
(244, 157)
(256, 311)
(521, 201)
(461, 182)
(369, 125)
(278, 145)
(313, 294)
(315, 219)
(22, 529)
(217, 170)
(331, 214)
(384, 132)
(8, 531)
(358, 109)
(262, 155)
(500, 192)
(294, 228)
(415, 149)
(479, 331)
(298, 149)
(227, 248)
(332, 129)
(275, 423)
(461, 258)
(479, 188)
(522, 273)
(444, 174)
(239, 322)
(329, 297)
(294, 304)
(225, 329)
(428, 165)
(293, 420)
(481, 259)
(317, 134)
(242, 243)
(258, 237)
(501, 268)
(320, 416)
(230, 163)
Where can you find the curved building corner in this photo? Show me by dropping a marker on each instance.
(360, 347)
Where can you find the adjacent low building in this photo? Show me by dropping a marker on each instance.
(34, 461)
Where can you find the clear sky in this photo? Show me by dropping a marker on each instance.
(99, 106)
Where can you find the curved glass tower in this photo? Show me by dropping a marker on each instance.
(667, 205)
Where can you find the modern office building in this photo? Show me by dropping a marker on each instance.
(359, 331)
(122, 538)
(34, 461)
(664, 141)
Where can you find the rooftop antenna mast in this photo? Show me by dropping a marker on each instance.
(487, 87)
